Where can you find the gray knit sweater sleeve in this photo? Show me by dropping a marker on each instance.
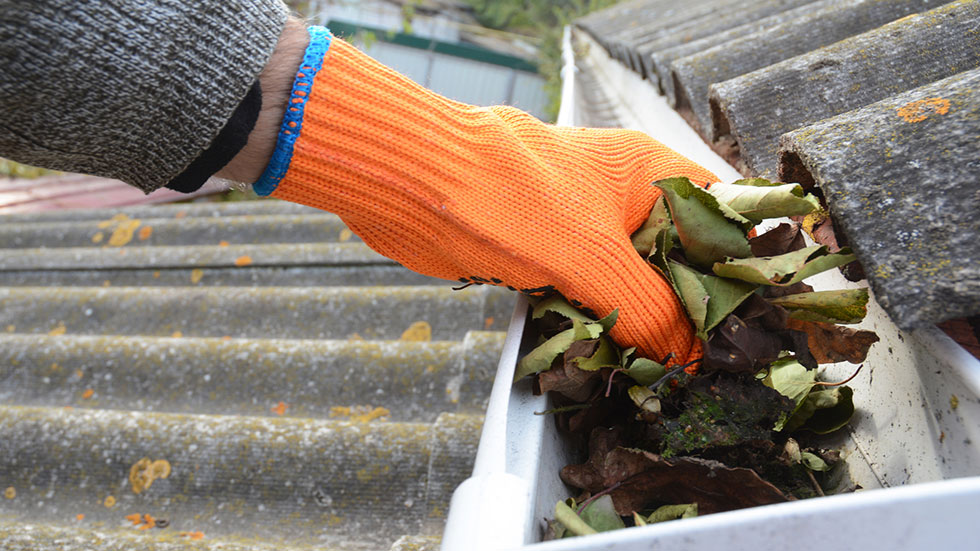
(129, 89)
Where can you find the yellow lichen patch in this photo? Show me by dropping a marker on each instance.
(813, 220)
(98, 237)
(243, 260)
(920, 110)
(145, 232)
(11, 328)
(55, 368)
(88, 393)
(280, 408)
(109, 502)
(176, 334)
(160, 468)
(954, 402)
(144, 472)
(196, 275)
(60, 330)
(106, 283)
(345, 235)
(419, 331)
(115, 220)
(10, 492)
(360, 414)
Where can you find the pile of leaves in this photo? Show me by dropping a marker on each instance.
(738, 428)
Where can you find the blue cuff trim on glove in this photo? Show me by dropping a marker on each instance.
(292, 123)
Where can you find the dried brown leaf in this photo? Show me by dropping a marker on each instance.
(831, 343)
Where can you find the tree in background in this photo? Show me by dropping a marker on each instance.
(541, 19)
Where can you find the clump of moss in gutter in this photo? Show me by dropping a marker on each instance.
(741, 426)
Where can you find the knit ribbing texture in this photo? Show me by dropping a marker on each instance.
(490, 195)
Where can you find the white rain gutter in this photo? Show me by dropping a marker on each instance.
(916, 431)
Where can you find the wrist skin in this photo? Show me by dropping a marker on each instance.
(276, 80)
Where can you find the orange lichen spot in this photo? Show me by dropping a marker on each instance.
(196, 275)
(60, 330)
(98, 237)
(11, 328)
(355, 337)
(243, 260)
(345, 235)
(144, 527)
(80, 517)
(109, 502)
(176, 334)
(920, 110)
(10, 492)
(488, 323)
(223, 243)
(149, 520)
(79, 373)
(193, 535)
(419, 331)
(280, 408)
(135, 518)
(226, 338)
(145, 232)
(180, 214)
(106, 283)
(88, 393)
(156, 274)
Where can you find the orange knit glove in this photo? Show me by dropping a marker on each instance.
(482, 194)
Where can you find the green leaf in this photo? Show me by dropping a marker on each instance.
(692, 293)
(673, 512)
(758, 199)
(783, 270)
(604, 356)
(644, 238)
(726, 295)
(825, 420)
(541, 358)
(794, 381)
(813, 462)
(608, 322)
(658, 257)
(602, 516)
(646, 371)
(707, 231)
(644, 398)
(842, 306)
(574, 523)
(560, 306)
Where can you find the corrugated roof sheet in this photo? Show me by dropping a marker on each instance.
(261, 350)
(747, 73)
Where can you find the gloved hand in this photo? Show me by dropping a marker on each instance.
(487, 195)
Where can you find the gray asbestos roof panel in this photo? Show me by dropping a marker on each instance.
(688, 69)
(307, 393)
(759, 107)
(827, 77)
(902, 178)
